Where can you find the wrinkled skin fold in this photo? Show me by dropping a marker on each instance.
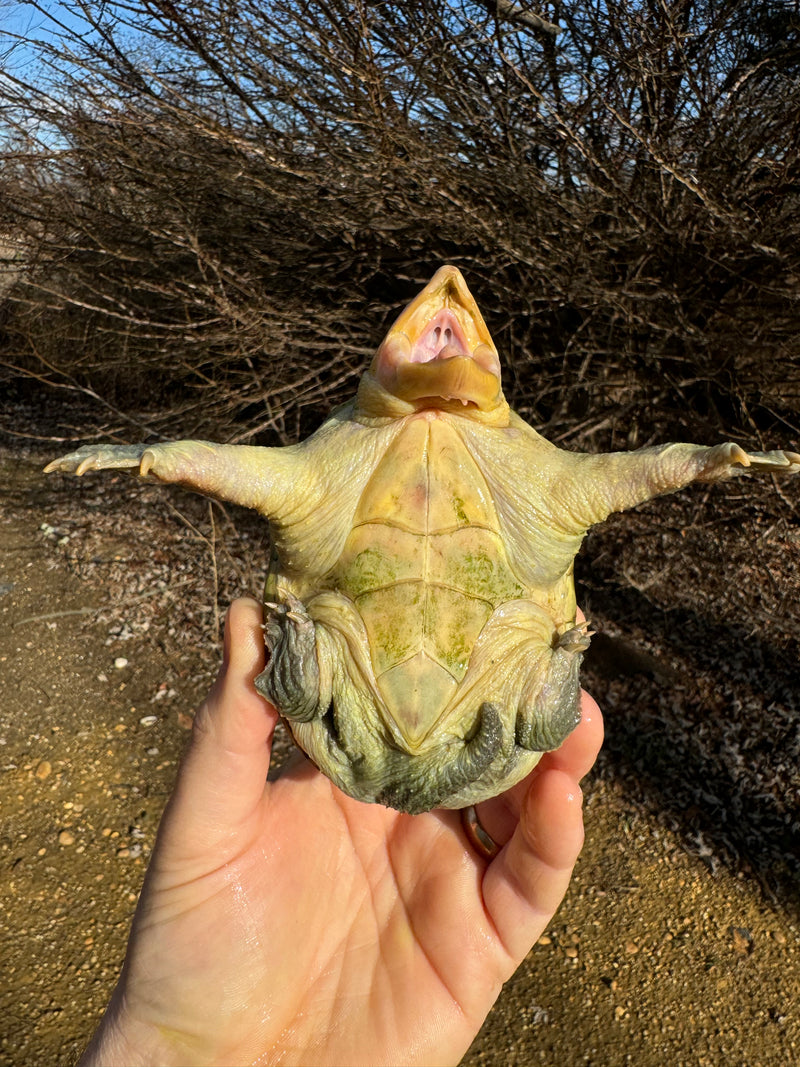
(420, 610)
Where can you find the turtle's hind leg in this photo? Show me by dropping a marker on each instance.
(549, 709)
(291, 679)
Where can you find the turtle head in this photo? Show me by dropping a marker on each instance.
(439, 354)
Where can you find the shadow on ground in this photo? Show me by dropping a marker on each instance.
(703, 715)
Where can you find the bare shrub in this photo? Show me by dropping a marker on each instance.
(213, 208)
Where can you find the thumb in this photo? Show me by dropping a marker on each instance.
(221, 781)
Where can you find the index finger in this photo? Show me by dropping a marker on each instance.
(525, 883)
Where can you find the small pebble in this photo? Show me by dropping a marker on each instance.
(742, 940)
(120, 663)
(44, 770)
(148, 720)
(66, 838)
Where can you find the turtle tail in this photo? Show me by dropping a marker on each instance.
(419, 783)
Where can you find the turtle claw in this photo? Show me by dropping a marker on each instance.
(97, 457)
(729, 458)
(577, 638)
(291, 678)
(778, 461)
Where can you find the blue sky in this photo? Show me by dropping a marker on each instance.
(21, 21)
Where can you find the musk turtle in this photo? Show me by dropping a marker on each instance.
(420, 607)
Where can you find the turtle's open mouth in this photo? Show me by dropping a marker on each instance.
(442, 338)
(440, 348)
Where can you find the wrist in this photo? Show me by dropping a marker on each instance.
(123, 1041)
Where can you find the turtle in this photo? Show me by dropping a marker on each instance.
(420, 612)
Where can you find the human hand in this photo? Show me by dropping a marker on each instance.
(284, 922)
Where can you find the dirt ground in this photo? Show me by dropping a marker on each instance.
(678, 941)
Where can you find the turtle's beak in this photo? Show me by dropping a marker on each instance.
(440, 348)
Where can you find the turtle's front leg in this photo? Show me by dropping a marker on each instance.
(259, 478)
(589, 487)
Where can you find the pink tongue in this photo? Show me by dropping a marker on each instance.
(449, 351)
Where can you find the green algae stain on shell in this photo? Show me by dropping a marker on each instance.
(370, 568)
(425, 566)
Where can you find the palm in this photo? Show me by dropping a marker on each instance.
(290, 923)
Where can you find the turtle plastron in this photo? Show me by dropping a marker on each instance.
(519, 697)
